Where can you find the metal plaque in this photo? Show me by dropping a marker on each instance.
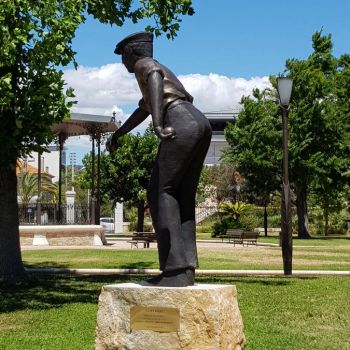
(159, 319)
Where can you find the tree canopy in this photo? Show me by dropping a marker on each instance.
(36, 42)
(36, 39)
(319, 130)
(125, 174)
(255, 140)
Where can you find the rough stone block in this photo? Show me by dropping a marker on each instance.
(208, 315)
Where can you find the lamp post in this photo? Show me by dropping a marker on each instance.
(284, 89)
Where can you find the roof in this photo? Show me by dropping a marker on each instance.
(21, 165)
(226, 114)
(85, 124)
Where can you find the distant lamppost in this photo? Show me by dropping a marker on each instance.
(284, 89)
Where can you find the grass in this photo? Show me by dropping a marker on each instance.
(278, 313)
(59, 312)
(314, 254)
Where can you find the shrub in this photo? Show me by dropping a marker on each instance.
(220, 227)
(249, 222)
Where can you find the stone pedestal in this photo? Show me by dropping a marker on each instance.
(201, 317)
(118, 218)
(70, 199)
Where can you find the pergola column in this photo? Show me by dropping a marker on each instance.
(38, 201)
(98, 193)
(93, 200)
(61, 140)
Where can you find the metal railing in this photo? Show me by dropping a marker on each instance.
(203, 212)
(52, 214)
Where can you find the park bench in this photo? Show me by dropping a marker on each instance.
(143, 238)
(232, 235)
(240, 237)
(250, 237)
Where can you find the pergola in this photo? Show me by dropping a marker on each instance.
(96, 126)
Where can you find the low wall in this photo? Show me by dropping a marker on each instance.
(62, 235)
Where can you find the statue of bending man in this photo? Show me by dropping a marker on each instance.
(185, 135)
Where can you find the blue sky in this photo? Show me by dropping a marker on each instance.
(227, 45)
(230, 37)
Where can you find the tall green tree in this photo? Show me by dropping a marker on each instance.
(319, 126)
(255, 142)
(125, 174)
(319, 130)
(130, 170)
(36, 38)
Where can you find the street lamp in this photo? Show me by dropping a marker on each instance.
(284, 89)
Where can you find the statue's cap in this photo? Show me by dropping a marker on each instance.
(133, 38)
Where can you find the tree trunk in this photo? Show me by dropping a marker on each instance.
(11, 266)
(302, 213)
(326, 219)
(140, 215)
(265, 218)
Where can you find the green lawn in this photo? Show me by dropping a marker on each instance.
(317, 255)
(59, 313)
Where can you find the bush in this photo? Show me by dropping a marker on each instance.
(220, 227)
(337, 222)
(249, 222)
(204, 228)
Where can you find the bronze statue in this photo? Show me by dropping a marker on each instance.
(185, 135)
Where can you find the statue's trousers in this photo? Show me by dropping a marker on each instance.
(172, 190)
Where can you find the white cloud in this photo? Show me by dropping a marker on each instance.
(81, 142)
(215, 92)
(102, 90)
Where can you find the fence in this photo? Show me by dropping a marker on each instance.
(51, 214)
(203, 212)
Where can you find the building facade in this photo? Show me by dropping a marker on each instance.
(218, 121)
(49, 160)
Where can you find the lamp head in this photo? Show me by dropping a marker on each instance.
(284, 89)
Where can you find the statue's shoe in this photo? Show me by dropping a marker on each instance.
(177, 278)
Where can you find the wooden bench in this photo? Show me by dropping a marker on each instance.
(144, 238)
(240, 237)
(250, 237)
(233, 235)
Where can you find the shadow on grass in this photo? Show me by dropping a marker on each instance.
(53, 291)
(50, 264)
(262, 281)
(41, 292)
(46, 265)
(138, 265)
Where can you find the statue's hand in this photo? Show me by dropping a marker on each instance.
(111, 144)
(165, 133)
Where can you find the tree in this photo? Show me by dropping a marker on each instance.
(130, 170)
(255, 140)
(319, 129)
(224, 181)
(36, 39)
(319, 125)
(126, 173)
(27, 187)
